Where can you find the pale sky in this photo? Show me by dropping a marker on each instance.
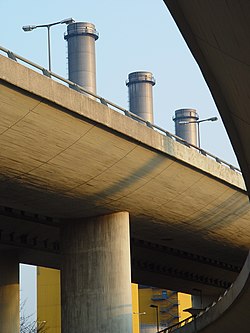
(134, 35)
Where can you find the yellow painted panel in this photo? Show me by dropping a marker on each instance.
(185, 302)
(49, 301)
(135, 307)
(49, 298)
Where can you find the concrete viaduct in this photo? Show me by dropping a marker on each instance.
(105, 198)
(76, 176)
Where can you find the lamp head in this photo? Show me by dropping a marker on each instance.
(28, 27)
(67, 21)
(213, 119)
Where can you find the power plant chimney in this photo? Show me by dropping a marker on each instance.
(141, 94)
(81, 37)
(186, 125)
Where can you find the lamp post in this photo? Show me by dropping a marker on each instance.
(157, 314)
(138, 314)
(48, 26)
(198, 125)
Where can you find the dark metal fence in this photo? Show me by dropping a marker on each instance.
(178, 325)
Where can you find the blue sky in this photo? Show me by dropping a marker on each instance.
(134, 35)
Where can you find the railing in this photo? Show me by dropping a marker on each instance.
(108, 103)
(178, 325)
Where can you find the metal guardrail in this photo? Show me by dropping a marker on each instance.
(194, 316)
(118, 108)
(178, 325)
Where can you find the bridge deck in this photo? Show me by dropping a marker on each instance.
(67, 156)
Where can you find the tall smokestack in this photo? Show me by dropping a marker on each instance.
(141, 94)
(186, 125)
(81, 37)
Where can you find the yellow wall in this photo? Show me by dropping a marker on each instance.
(167, 303)
(49, 302)
(144, 303)
(135, 308)
(49, 298)
(185, 302)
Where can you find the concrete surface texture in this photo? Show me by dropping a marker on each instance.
(217, 34)
(230, 313)
(66, 156)
(96, 275)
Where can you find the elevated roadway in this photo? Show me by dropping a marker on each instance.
(65, 157)
(217, 33)
(230, 312)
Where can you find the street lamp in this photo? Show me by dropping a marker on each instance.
(198, 125)
(48, 26)
(157, 314)
(139, 314)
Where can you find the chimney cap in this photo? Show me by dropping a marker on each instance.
(139, 77)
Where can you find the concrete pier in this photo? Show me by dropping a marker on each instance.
(96, 276)
(9, 293)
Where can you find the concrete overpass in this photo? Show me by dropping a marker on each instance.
(66, 158)
(217, 33)
(229, 313)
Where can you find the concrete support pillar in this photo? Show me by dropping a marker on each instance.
(96, 275)
(9, 293)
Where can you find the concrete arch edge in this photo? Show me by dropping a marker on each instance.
(229, 312)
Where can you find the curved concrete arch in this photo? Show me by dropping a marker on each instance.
(231, 311)
(217, 33)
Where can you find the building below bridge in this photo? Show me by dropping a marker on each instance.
(169, 304)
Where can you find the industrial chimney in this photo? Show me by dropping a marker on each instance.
(141, 94)
(81, 37)
(186, 125)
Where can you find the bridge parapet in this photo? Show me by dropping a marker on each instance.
(116, 107)
(228, 311)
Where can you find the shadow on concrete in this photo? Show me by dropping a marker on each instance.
(230, 313)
